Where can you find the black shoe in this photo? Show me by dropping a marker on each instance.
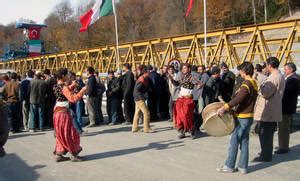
(2, 152)
(260, 159)
(60, 158)
(193, 136)
(281, 151)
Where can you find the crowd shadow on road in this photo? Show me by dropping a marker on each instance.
(107, 131)
(163, 129)
(13, 168)
(115, 130)
(162, 145)
(293, 155)
(20, 135)
(125, 129)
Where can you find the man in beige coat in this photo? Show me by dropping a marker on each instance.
(268, 109)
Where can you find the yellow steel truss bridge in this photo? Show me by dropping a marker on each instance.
(254, 43)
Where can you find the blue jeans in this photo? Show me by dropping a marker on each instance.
(76, 117)
(79, 108)
(36, 112)
(239, 137)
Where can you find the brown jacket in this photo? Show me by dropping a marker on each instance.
(11, 91)
(244, 99)
(268, 107)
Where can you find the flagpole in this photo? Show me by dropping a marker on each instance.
(205, 35)
(254, 11)
(266, 12)
(117, 37)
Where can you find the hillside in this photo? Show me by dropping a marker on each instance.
(143, 19)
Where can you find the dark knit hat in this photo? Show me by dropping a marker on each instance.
(223, 64)
(215, 70)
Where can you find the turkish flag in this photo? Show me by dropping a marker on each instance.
(34, 33)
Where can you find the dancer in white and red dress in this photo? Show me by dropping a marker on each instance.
(184, 106)
(67, 138)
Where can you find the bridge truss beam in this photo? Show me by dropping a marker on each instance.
(254, 43)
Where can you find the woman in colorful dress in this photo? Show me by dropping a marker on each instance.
(67, 138)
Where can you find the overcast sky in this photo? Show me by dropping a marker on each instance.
(36, 10)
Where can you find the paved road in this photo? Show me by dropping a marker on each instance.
(114, 153)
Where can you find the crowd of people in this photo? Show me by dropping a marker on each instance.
(261, 98)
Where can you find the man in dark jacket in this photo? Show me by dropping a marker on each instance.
(92, 100)
(127, 88)
(154, 92)
(3, 128)
(289, 106)
(164, 94)
(114, 97)
(50, 97)
(211, 91)
(79, 104)
(100, 90)
(228, 81)
(25, 94)
(37, 102)
(11, 95)
(140, 95)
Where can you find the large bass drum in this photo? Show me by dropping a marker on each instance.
(214, 124)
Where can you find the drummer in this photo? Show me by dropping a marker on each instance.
(243, 105)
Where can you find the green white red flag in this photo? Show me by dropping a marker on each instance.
(101, 8)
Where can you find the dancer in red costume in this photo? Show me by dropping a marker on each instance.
(67, 138)
(184, 106)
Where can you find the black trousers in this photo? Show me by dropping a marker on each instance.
(101, 119)
(153, 106)
(197, 118)
(120, 111)
(4, 129)
(266, 135)
(108, 108)
(129, 109)
(14, 115)
(164, 105)
(48, 115)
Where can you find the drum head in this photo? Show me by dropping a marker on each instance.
(215, 125)
(219, 126)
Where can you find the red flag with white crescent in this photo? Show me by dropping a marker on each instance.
(34, 33)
